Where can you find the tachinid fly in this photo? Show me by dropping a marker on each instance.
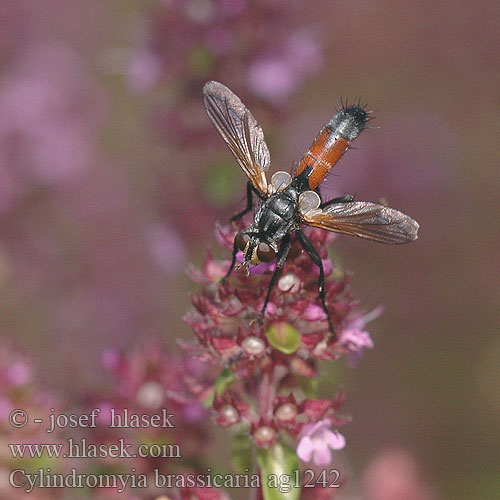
(289, 201)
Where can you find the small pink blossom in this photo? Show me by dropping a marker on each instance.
(317, 442)
(19, 373)
(314, 312)
(355, 338)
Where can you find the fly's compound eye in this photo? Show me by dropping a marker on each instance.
(241, 241)
(265, 253)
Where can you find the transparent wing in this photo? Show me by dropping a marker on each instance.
(240, 131)
(366, 220)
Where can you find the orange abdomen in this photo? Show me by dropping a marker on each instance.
(324, 152)
(332, 142)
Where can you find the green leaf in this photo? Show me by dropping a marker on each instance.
(224, 380)
(242, 459)
(200, 60)
(209, 401)
(279, 468)
(284, 337)
(310, 386)
(219, 182)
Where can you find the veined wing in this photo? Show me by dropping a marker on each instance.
(364, 219)
(240, 131)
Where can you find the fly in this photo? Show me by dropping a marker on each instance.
(290, 201)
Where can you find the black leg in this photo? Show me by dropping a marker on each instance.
(341, 199)
(280, 260)
(250, 189)
(233, 261)
(313, 254)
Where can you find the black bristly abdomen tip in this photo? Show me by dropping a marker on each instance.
(358, 115)
(349, 122)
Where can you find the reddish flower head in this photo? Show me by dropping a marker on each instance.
(262, 363)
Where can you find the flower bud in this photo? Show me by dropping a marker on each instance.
(151, 394)
(264, 436)
(253, 346)
(228, 415)
(286, 412)
(289, 283)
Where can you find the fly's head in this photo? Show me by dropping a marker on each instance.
(255, 249)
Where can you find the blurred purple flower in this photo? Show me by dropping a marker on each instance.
(167, 247)
(147, 381)
(276, 77)
(394, 475)
(19, 373)
(151, 378)
(253, 43)
(19, 390)
(272, 79)
(143, 71)
(317, 441)
(15, 371)
(91, 241)
(51, 112)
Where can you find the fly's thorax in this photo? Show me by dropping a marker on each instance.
(277, 215)
(284, 203)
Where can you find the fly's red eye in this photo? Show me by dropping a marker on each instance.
(242, 240)
(265, 253)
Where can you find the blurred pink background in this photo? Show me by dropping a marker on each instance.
(111, 180)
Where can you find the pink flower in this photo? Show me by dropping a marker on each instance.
(354, 338)
(317, 442)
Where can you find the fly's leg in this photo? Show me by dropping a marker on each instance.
(313, 254)
(282, 253)
(250, 189)
(341, 199)
(233, 261)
